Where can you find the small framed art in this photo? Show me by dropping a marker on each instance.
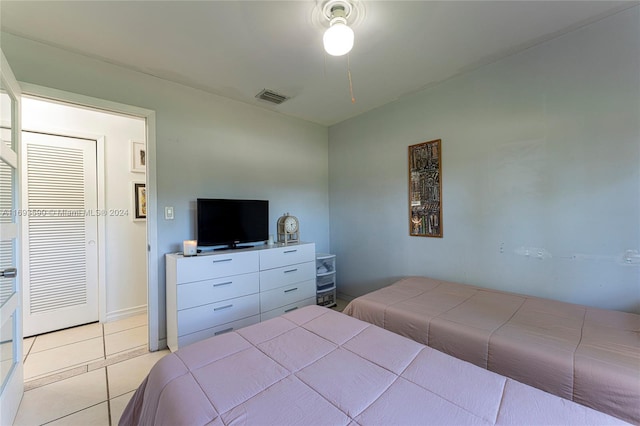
(138, 157)
(139, 201)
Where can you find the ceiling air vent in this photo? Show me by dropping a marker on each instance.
(271, 96)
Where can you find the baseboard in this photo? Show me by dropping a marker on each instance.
(162, 344)
(344, 297)
(126, 313)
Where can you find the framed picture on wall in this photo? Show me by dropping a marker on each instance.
(139, 201)
(425, 189)
(138, 157)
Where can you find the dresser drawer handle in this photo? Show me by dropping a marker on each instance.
(223, 307)
(222, 260)
(290, 270)
(226, 330)
(291, 289)
(290, 309)
(290, 251)
(221, 284)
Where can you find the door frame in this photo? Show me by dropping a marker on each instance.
(11, 393)
(101, 198)
(153, 305)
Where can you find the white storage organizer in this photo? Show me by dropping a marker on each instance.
(326, 279)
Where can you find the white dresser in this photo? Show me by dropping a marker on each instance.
(217, 292)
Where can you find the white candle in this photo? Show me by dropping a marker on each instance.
(190, 247)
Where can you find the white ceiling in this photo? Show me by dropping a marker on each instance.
(237, 48)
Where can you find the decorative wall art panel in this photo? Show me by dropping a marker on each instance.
(425, 189)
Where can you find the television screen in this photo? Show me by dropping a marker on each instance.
(231, 222)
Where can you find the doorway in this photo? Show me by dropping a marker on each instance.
(153, 256)
(120, 240)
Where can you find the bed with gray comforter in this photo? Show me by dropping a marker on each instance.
(587, 355)
(316, 366)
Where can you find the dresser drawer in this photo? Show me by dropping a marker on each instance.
(286, 295)
(287, 308)
(278, 277)
(200, 293)
(189, 269)
(288, 255)
(213, 314)
(188, 339)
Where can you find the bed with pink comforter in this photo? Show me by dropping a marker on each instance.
(587, 355)
(315, 366)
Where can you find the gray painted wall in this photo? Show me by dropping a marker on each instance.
(540, 152)
(207, 146)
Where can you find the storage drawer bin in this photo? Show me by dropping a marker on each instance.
(326, 298)
(325, 263)
(326, 282)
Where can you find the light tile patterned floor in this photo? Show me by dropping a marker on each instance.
(84, 375)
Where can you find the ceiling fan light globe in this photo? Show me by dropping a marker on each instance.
(338, 39)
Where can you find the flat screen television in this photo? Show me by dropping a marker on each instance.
(222, 222)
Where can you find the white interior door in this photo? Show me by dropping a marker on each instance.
(60, 232)
(11, 368)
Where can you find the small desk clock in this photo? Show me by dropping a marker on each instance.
(288, 229)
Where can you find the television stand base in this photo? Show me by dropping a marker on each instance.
(232, 247)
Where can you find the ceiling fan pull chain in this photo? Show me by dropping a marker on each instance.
(353, 99)
(325, 66)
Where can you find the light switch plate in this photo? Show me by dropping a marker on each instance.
(168, 213)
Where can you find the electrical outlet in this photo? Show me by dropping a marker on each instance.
(168, 213)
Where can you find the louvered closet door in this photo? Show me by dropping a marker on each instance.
(61, 280)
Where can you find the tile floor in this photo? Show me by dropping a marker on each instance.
(86, 375)
(340, 305)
